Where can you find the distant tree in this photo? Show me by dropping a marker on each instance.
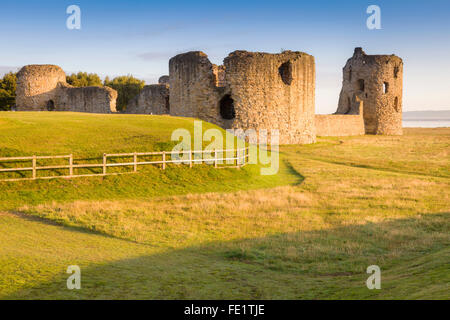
(84, 79)
(8, 91)
(127, 87)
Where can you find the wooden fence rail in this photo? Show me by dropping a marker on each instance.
(238, 159)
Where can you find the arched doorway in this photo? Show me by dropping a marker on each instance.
(50, 105)
(226, 105)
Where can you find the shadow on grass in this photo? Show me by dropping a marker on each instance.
(49, 222)
(291, 170)
(322, 264)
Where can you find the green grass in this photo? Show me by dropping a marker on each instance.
(88, 136)
(309, 232)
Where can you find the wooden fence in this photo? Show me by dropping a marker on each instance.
(239, 158)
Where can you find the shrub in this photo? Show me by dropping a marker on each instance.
(127, 88)
(8, 91)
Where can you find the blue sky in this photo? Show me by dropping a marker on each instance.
(138, 37)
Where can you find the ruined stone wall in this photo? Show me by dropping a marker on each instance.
(153, 99)
(37, 87)
(252, 90)
(86, 99)
(163, 80)
(378, 81)
(44, 88)
(339, 125)
(193, 91)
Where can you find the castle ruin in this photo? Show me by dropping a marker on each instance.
(44, 88)
(250, 91)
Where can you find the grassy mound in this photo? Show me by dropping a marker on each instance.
(88, 136)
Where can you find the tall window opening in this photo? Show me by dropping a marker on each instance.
(396, 106)
(395, 72)
(349, 105)
(167, 105)
(285, 71)
(361, 84)
(385, 87)
(226, 105)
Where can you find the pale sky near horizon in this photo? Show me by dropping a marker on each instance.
(138, 37)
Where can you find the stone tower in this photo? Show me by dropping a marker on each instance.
(377, 80)
(251, 90)
(44, 88)
(37, 87)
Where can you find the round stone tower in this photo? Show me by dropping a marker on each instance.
(378, 81)
(37, 87)
(273, 91)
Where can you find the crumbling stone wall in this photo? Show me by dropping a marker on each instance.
(163, 80)
(153, 99)
(193, 91)
(44, 88)
(339, 125)
(378, 81)
(252, 90)
(86, 99)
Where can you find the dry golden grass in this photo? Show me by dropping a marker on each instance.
(332, 196)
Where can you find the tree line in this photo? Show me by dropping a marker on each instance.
(127, 87)
(8, 91)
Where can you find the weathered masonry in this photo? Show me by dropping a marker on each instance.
(377, 80)
(153, 99)
(44, 88)
(251, 90)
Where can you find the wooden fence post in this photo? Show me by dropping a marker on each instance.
(239, 157)
(34, 167)
(135, 162)
(71, 165)
(164, 160)
(190, 158)
(215, 158)
(104, 163)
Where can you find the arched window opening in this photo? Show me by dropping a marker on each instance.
(385, 87)
(50, 105)
(361, 84)
(285, 71)
(396, 106)
(226, 105)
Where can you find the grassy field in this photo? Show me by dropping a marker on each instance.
(308, 232)
(88, 136)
